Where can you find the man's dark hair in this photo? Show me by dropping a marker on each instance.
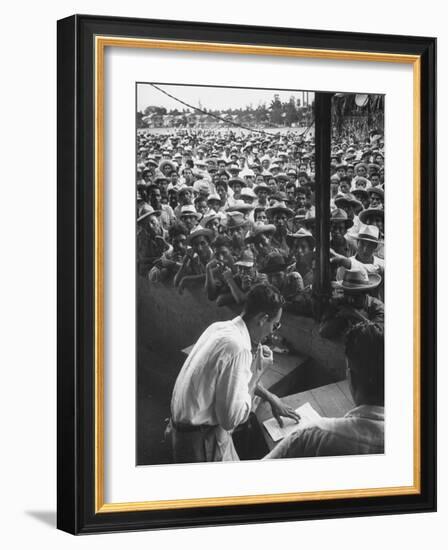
(199, 198)
(263, 298)
(176, 229)
(364, 347)
(222, 240)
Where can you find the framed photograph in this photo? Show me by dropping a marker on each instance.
(231, 346)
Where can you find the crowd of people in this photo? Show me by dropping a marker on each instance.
(224, 211)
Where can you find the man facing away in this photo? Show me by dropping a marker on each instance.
(361, 430)
(214, 390)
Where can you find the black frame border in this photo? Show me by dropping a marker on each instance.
(75, 271)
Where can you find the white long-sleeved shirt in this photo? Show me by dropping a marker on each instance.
(213, 386)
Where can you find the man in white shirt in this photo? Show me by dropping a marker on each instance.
(215, 388)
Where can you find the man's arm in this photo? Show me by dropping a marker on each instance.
(279, 408)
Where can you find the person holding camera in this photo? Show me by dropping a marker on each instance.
(353, 305)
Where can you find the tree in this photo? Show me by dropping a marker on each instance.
(291, 112)
(276, 110)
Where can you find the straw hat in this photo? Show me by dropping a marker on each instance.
(358, 280)
(147, 210)
(366, 214)
(278, 207)
(339, 215)
(369, 233)
(301, 234)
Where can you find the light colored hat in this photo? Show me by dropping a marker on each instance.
(213, 197)
(246, 259)
(236, 219)
(248, 192)
(147, 210)
(240, 206)
(261, 186)
(358, 280)
(189, 210)
(301, 234)
(369, 233)
(208, 218)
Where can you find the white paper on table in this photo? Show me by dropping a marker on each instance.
(307, 415)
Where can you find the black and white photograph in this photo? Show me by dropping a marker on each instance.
(260, 321)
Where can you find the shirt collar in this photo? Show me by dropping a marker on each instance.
(241, 326)
(372, 412)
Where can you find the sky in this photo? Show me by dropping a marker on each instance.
(209, 97)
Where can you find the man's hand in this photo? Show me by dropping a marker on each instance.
(279, 409)
(227, 274)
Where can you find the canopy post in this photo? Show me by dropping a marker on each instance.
(322, 113)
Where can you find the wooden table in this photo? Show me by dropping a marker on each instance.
(333, 400)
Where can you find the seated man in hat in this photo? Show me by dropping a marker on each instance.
(289, 283)
(167, 216)
(367, 243)
(171, 260)
(193, 268)
(354, 305)
(361, 430)
(339, 225)
(185, 198)
(189, 217)
(260, 238)
(301, 246)
(279, 213)
(236, 228)
(150, 239)
(218, 269)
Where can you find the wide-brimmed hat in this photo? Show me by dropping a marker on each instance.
(240, 206)
(359, 280)
(258, 229)
(159, 177)
(189, 210)
(360, 193)
(301, 234)
(232, 182)
(147, 210)
(378, 190)
(261, 186)
(208, 218)
(246, 259)
(278, 207)
(365, 214)
(275, 263)
(200, 231)
(235, 220)
(347, 198)
(213, 197)
(369, 233)
(282, 176)
(339, 215)
(167, 163)
(248, 192)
